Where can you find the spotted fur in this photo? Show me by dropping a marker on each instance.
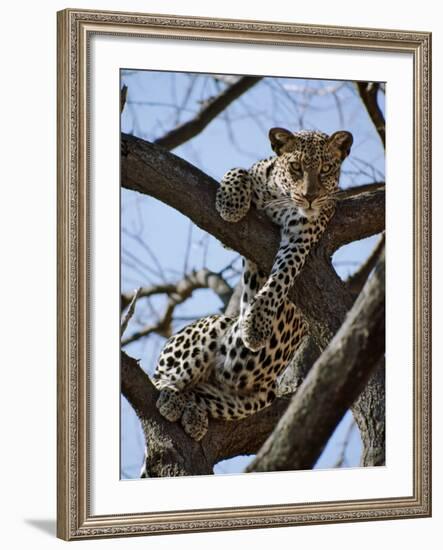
(228, 367)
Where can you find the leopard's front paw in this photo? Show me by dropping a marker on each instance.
(256, 327)
(229, 212)
(170, 404)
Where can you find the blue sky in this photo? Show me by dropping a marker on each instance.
(155, 237)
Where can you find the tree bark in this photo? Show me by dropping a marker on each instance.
(369, 412)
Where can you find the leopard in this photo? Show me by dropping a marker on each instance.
(228, 367)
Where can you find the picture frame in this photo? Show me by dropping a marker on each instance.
(77, 314)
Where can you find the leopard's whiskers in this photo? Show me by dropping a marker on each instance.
(281, 201)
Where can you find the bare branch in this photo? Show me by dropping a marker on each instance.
(341, 459)
(340, 373)
(130, 312)
(178, 293)
(123, 97)
(368, 93)
(212, 108)
(147, 291)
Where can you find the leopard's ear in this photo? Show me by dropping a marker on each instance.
(279, 137)
(340, 143)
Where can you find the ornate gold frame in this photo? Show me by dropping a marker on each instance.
(74, 519)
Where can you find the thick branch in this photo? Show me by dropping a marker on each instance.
(170, 451)
(340, 373)
(151, 170)
(359, 189)
(212, 108)
(370, 415)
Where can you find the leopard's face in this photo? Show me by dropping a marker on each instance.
(308, 166)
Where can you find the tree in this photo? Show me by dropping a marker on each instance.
(320, 385)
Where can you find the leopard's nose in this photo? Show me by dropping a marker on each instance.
(310, 197)
(311, 186)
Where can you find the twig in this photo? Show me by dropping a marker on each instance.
(140, 241)
(214, 107)
(341, 459)
(188, 248)
(178, 293)
(130, 312)
(123, 96)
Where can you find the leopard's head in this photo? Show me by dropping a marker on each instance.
(309, 165)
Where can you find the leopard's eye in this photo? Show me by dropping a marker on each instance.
(326, 168)
(296, 167)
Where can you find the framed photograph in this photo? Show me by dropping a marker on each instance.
(243, 274)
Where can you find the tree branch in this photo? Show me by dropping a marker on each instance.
(368, 93)
(123, 97)
(203, 278)
(359, 189)
(178, 293)
(212, 108)
(146, 292)
(340, 373)
(130, 312)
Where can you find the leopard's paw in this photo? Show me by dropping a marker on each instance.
(256, 328)
(229, 213)
(170, 404)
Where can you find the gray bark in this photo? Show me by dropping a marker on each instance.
(370, 415)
